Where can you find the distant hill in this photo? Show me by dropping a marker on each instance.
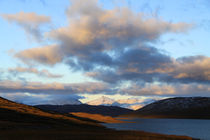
(15, 112)
(179, 107)
(93, 109)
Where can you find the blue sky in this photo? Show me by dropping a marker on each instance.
(172, 33)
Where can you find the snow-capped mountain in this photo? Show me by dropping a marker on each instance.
(130, 103)
(101, 101)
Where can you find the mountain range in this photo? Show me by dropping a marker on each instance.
(130, 103)
(179, 107)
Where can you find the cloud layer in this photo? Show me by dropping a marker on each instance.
(43, 73)
(102, 88)
(114, 47)
(52, 88)
(167, 90)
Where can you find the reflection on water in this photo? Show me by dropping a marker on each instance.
(188, 127)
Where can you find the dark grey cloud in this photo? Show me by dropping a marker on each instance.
(91, 61)
(150, 65)
(140, 64)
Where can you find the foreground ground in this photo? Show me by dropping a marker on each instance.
(80, 134)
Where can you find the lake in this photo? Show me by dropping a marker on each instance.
(195, 128)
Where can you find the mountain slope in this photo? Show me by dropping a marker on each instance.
(103, 110)
(180, 107)
(9, 108)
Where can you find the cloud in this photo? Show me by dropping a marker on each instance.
(192, 68)
(115, 46)
(7, 86)
(148, 64)
(112, 42)
(58, 89)
(43, 72)
(115, 42)
(30, 22)
(95, 32)
(149, 90)
(167, 90)
(46, 55)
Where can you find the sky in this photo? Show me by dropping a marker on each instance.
(56, 51)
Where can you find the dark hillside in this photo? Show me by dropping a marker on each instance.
(180, 107)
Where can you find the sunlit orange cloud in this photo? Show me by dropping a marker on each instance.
(30, 22)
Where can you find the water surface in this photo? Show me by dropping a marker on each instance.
(195, 128)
